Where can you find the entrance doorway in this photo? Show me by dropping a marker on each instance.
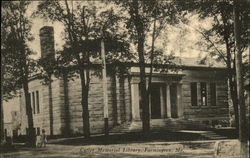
(173, 100)
(155, 101)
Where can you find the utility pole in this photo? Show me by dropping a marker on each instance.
(104, 84)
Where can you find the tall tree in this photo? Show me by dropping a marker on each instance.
(3, 35)
(220, 37)
(239, 78)
(1, 104)
(16, 54)
(142, 14)
(83, 24)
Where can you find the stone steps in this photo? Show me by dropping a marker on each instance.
(212, 135)
(159, 125)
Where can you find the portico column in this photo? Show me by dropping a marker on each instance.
(179, 100)
(163, 111)
(135, 101)
(168, 101)
(118, 99)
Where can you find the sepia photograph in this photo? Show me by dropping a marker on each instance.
(125, 78)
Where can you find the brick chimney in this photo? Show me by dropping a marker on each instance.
(47, 42)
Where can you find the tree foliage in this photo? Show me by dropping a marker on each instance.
(18, 66)
(85, 24)
(220, 37)
(142, 15)
(15, 33)
(221, 18)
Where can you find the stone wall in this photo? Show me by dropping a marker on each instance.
(67, 113)
(116, 103)
(42, 119)
(220, 111)
(38, 119)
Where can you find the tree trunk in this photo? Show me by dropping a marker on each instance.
(50, 107)
(151, 60)
(144, 103)
(2, 121)
(66, 131)
(231, 75)
(31, 130)
(239, 79)
(85, 107)
(144, 100)
(1, 106)
(233, 94)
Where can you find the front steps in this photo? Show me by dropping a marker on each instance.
(212, 136)
(169, 125)
(157, 125)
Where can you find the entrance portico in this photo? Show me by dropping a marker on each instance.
(164, 100)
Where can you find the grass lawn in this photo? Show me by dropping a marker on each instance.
(156, 144)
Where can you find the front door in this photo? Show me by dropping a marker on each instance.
(155, 102)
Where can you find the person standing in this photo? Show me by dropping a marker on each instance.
(43, 139)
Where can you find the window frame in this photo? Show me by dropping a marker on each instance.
(37, 102)
(203, 94)
(34, 102)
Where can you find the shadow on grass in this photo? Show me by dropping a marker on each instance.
(138, 137)
(13, 148)
(229, 133)
(127, 138)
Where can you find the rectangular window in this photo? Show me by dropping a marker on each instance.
(37, 102)
(34, 102)
(30, 102)
(38, 131)
(15, 133)
(203, 94)
(213, 94)
(5, 132)
(194, 93)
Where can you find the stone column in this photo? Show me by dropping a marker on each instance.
(118, 99)
(135, 101)
(127, 98)
(179, 100)
(163, 111)
(168, 101)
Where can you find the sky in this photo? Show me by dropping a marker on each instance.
(169, 39)
(37, 24)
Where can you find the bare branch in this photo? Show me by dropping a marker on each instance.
(209, 40)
